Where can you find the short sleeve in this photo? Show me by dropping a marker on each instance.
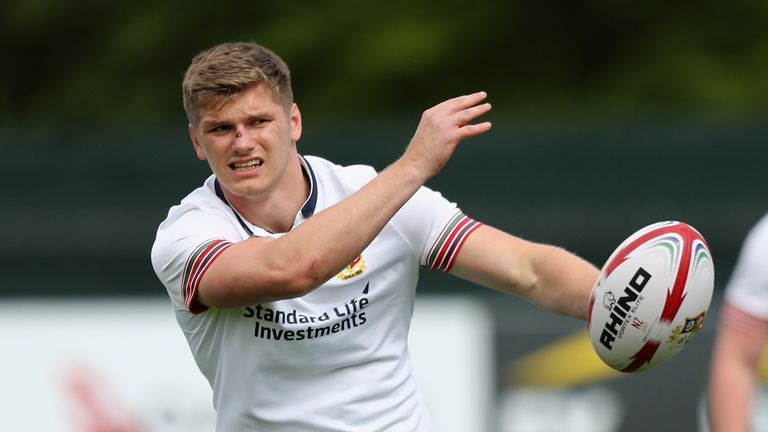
(184, 249)
(747, 289)
(436, 227)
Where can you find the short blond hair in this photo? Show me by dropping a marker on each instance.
(220, 73)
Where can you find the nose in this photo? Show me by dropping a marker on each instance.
(243, 142)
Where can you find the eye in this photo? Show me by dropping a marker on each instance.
(219, 129)
(258, 121)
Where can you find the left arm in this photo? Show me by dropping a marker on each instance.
(547, 276)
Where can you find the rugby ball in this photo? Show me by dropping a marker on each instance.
(652, 296)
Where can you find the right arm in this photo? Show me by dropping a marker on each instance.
(259, 270)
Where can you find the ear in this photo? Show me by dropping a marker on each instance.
(295, 123)
(196, 143)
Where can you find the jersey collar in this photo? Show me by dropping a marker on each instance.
(307, 209)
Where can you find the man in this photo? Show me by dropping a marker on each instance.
(741, 336)
(293, 279)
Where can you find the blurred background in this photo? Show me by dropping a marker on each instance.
(607, 116)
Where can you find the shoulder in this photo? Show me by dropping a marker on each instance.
(200, 218)
(759, 233)
(747, 287)
(755, 246)
(354, 176)
(201, 201)
(201, 215)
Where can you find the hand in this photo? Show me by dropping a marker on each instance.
(441, 129)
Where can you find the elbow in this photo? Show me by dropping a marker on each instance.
(523, 283)
(539, 292)
(298, 279)
(288, 285)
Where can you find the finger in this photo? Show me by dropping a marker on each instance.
(448, 108)
(468, 114)
(471, 130)
(466, 101)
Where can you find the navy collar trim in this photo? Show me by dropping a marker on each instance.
(307, 210)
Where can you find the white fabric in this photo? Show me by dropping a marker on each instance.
(334, 360)
(747, 288)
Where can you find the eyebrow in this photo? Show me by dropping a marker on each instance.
(209, 122)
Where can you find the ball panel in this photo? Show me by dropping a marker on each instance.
(651, 297)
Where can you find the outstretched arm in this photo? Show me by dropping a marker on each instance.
(547, 276)
(259, 270)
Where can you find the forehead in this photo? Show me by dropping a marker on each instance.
(254, 100)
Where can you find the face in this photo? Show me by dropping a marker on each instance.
(248, 142)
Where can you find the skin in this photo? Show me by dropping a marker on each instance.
(733, 378)
(254, 127)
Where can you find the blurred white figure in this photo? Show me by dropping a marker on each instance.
(741, 338)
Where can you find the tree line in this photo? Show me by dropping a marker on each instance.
(90, 64)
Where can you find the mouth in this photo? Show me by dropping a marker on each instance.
(246, 165)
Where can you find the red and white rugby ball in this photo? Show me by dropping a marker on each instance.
(652, 296)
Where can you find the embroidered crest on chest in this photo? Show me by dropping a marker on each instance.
(356, 267)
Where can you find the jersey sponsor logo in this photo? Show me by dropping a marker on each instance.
(291, 325)
(355, 268)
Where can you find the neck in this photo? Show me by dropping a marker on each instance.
(275, 210)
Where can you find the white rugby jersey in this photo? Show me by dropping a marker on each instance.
(335, 359)
(746, 295)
